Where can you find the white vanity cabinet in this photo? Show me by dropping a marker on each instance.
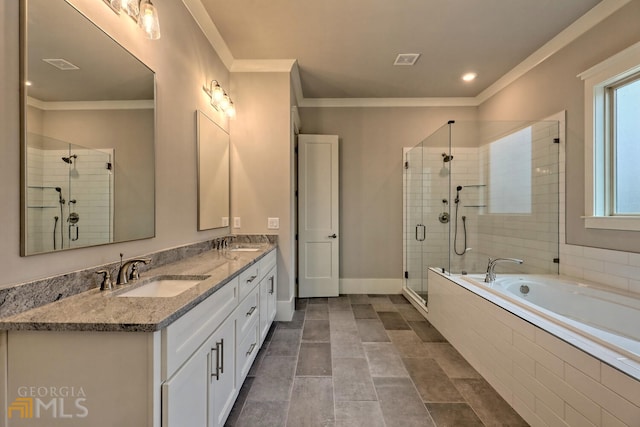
(204, 389)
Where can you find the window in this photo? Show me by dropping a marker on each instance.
(510, 174)
(612, 142)
(624, 143)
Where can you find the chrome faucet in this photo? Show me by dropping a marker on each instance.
(491, 275)
(124, 275)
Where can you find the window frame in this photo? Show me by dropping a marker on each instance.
(598, 130)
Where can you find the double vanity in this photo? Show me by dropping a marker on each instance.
(169, 349)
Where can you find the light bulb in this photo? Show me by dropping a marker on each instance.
(148, 20)
(224, 103)
(231, 110)
(217, 93)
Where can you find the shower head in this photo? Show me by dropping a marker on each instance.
(59, 190)
(459, 188)
(457, 199)
(68, 160)
(446, 157)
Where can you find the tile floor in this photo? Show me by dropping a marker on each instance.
(364, 360)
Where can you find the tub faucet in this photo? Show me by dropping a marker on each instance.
(491, 275)
(123, 274)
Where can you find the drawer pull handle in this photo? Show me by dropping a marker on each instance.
(272, 280)
(251, 310)
(251, 279)
(214, 371)
(221, 352)
(251, 349)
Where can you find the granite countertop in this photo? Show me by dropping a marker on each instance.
(97, 310)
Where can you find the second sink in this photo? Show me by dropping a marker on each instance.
(163, 286)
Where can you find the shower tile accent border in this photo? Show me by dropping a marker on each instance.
(25, 296)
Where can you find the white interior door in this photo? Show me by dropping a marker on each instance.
(318, 215)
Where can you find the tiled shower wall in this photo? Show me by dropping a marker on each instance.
(87, 181)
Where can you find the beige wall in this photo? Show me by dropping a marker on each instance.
(183, 61)
(552, 87)
(371, 142)
(261, 155)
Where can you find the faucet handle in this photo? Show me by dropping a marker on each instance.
(135, 274)
(107, 283)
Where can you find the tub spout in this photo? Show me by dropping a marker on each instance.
(491, 275)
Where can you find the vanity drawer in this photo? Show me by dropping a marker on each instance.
(246, 350)
(248, 280)
(183, 337)
(247, 311)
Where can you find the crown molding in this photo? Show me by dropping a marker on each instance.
(262, 65)
(387, 102)
(583, 24)
(202, 18)
(143, 104)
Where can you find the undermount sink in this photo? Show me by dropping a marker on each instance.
(245, 249)
(163, 287)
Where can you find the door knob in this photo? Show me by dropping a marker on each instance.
(333, 236)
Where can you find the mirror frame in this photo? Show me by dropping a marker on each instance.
(23, 73)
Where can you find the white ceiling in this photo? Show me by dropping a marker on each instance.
(346, 48)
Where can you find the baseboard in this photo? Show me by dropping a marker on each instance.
(285, 310)
(370, 286)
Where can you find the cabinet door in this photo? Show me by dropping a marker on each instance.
(223, 387)
(184, 396)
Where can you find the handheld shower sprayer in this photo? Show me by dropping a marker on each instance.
(458, 190)
(60, 199)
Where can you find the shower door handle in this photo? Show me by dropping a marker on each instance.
(424, 232)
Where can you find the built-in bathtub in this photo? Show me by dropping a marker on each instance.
(574, 359)
(609, 318)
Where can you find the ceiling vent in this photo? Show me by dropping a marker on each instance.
(406, 59)
(61, 64)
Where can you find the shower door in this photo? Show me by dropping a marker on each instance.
(414, 228)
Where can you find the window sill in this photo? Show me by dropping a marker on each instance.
(625, 223)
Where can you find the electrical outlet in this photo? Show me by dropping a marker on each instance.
(236, 222)
(273, 223)
(225, 221)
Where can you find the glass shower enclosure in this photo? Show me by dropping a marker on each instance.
(475, 190)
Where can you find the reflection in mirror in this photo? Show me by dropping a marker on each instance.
(88, 134)
(213, 174)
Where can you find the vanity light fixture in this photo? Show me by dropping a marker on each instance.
(141, 11)
(219, 98)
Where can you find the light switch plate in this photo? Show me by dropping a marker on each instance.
(273, 223)
(225, 221)
(236, 222)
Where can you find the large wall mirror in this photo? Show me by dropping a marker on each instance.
(213, 174)
(88, 124)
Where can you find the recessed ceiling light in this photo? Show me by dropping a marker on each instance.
(469, 77)
(61, 64)
(28, 83)
(406, 59)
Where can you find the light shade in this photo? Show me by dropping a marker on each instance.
(132, 7)
(148, 20)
